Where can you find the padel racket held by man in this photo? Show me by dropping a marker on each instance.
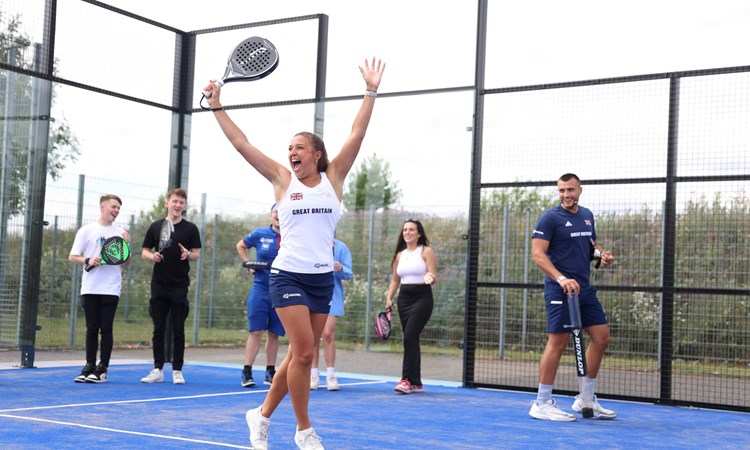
(254, 265)
(252, 59)
(165, 235)
(574, 311)
(115, 251)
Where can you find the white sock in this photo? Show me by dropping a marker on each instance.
(330, 371)
(543, 394)
(306, 432)
(588, 386)
(314, 372)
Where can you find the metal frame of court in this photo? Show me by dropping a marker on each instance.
(182, 110)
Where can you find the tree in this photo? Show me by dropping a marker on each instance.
(371, 186)
(16, 49)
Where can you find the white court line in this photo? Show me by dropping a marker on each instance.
(114, 430)
(162, 399)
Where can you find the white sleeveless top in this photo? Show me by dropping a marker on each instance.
(308, 218)
(412, 267)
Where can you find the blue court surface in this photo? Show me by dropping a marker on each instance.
(43, 408)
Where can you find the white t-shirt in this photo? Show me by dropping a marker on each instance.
(104, 279)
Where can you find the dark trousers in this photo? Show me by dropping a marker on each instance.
(99, 311)
(415, 305)
(168, 302)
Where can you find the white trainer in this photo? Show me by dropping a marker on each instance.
(332, 383)
(259, 426)
(599, 411)
(308, 440)
(177, 377)
(314, 382)
(550, 411)
(155, 376)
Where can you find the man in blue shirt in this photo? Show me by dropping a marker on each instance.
(261, 315)
(562, 244)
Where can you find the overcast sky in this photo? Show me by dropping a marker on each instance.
(426, 44)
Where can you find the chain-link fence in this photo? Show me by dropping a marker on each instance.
(664, 159)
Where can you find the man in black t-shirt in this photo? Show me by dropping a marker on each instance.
(170, 280)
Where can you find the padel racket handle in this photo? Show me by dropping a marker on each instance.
(90, 267)
(255, 265)
(207, 93)
(574, 311)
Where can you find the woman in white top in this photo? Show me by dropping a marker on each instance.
(301, 280)
(414, 266)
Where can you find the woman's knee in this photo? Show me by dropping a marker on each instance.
(303, 356)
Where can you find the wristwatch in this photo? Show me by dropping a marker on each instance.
(561, 278)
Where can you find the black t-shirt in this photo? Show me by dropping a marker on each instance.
(173, 271)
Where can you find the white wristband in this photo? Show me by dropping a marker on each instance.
(561, 278)
(370, 93)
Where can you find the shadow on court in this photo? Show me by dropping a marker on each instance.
(44, 408)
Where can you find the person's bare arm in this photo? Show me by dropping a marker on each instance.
(539, 249)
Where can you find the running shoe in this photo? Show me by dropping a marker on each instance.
(258, 426)
(155, 376)
(599, 411)
(404, 387)
(99, 375)
(177, 377)
(550, 411)
(247, 378)
(87, 370)
(308, 440)
(269, 376)
(332, 383)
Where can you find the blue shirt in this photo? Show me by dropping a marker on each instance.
(266, 242)
(569, 236)
(341, 254)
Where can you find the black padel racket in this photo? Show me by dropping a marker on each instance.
(252, 59)
(255, 265)
(114, 251)
(383, 324)
(165, 235)
(574, 311)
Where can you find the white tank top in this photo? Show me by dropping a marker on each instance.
(412, 267)
(308, 218)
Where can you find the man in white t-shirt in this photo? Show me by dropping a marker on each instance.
(100, 287)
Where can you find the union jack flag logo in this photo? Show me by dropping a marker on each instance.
(588, 222)
(295, 196)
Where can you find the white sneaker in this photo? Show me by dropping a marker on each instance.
(308, 440)
(550, 411)
(314, 382)
(599, 411)
(259, 426)
(332, 383)
(177, 377)
(155, 376)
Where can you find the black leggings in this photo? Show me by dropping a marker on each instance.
(414, 309)
(99, 311)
